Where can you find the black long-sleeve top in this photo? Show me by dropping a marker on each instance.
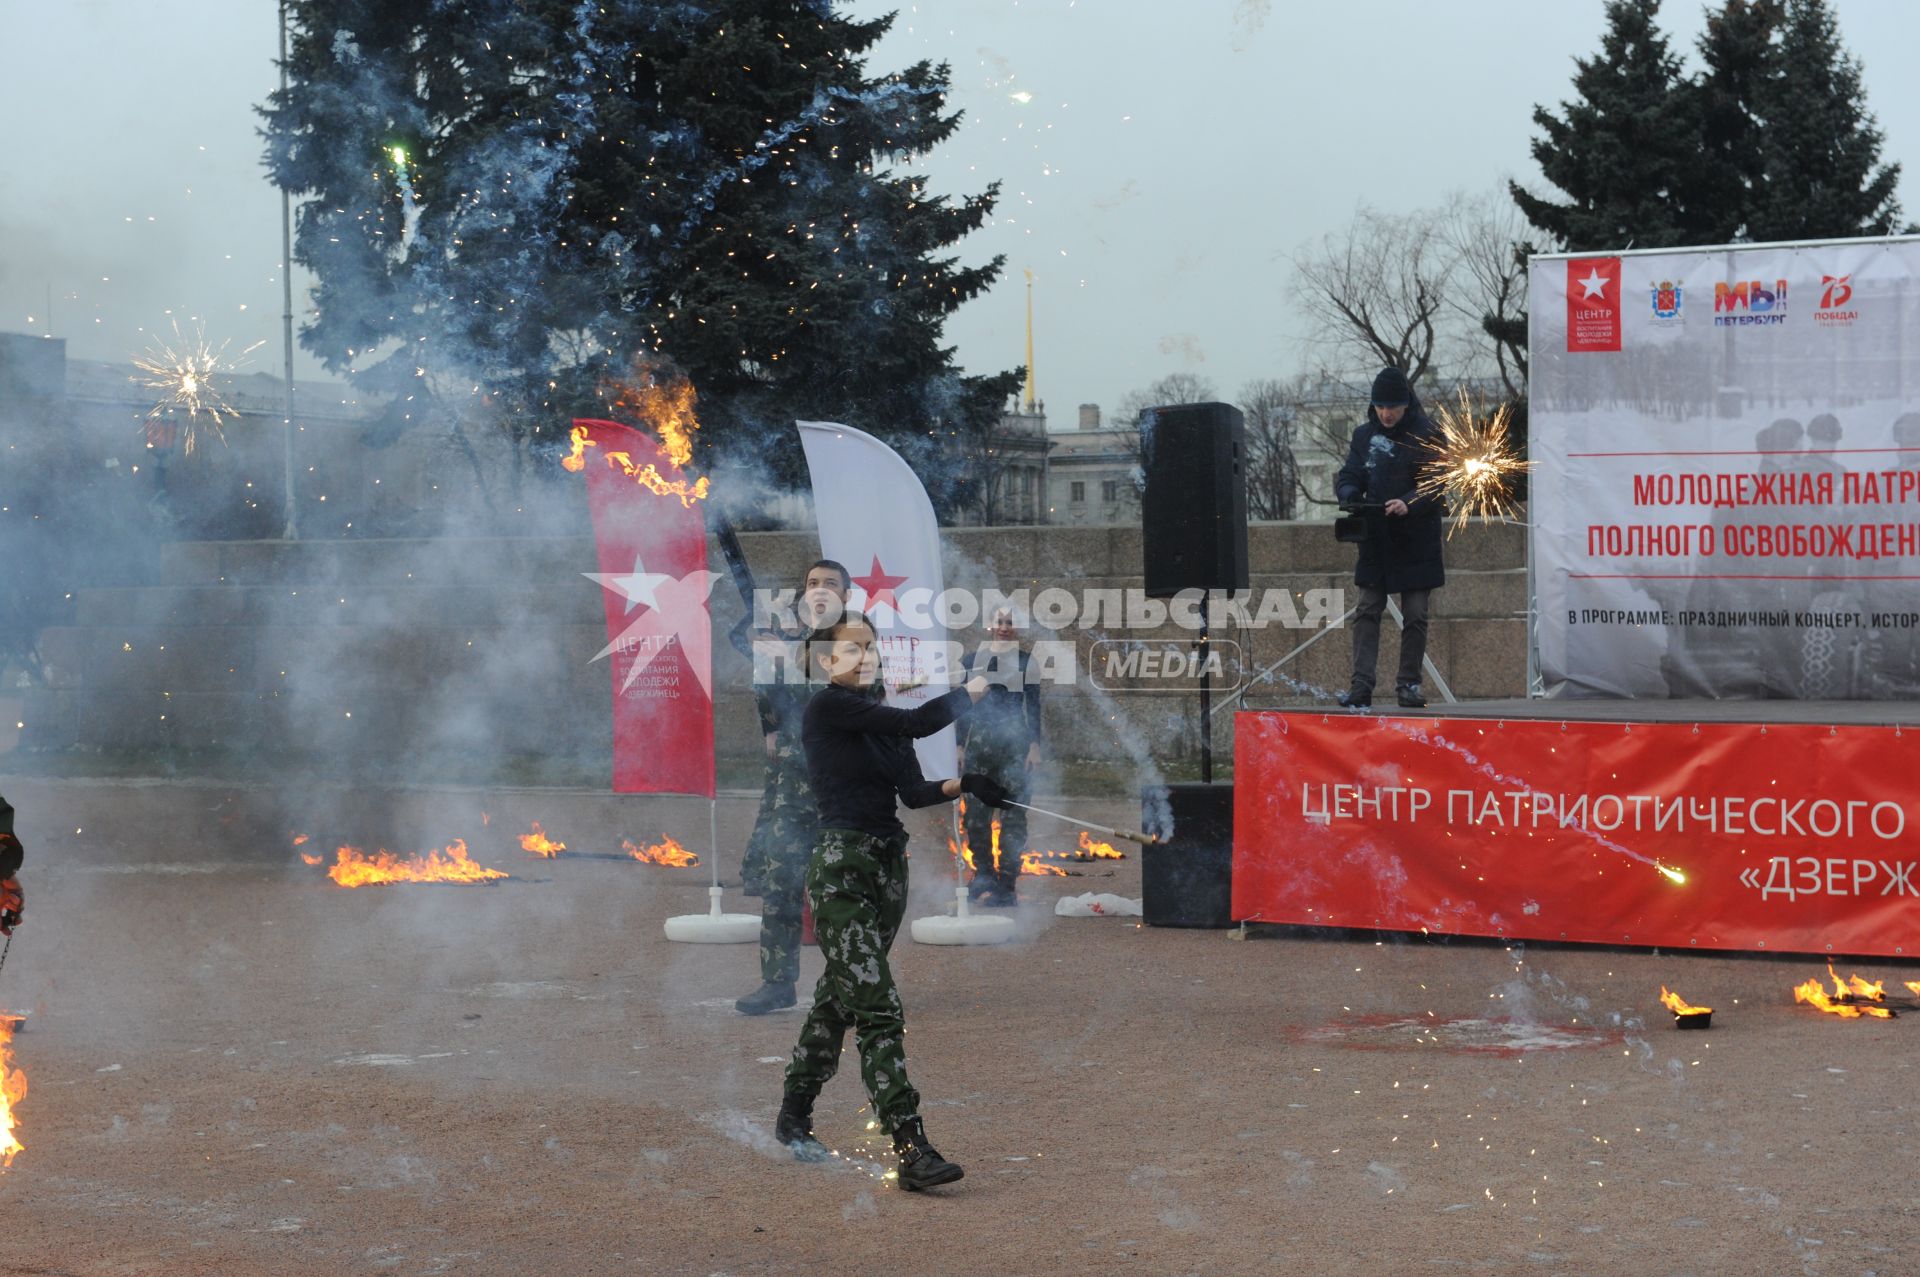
(860, 756)
(10, 852)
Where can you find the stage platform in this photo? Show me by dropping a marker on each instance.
(1557, 710)
(1768, 826)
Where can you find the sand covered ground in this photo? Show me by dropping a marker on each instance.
(238, 1067)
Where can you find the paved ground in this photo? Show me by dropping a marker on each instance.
(237, 1067)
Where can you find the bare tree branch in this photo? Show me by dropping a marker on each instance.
(1379, 290)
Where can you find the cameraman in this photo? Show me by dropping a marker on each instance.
(1401, 551)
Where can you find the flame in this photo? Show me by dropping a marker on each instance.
(1855, 989)
(576, 460)
(312, 859)
(663, 401)
(1913, 987)
(354, 868)
(13, 1089)
(650, 478)
(665, 852)
(300, 840)
(1092, 850)
(539, 844)
(1816, 997)
(1679, 1005)
(1031, 862)
(1672, 875)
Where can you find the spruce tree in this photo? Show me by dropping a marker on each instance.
(509, 200)
(1741, 53)
(1624, 151)
(1821, 145)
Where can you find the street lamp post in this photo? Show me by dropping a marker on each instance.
(291, 531)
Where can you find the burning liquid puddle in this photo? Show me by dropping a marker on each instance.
(1470, 1036)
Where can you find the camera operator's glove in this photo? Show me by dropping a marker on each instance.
(986, 789)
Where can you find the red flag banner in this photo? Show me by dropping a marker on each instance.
(1784, 838)
(652, 551)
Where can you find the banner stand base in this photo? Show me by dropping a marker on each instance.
(714, 927)
(964, 927)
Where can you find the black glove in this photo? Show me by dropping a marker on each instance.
(986, 789)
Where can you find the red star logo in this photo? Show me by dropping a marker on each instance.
(878, 586)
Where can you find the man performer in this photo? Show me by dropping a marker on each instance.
(1001, 739)
(1401, 553)
(861, 761)
(775, 867)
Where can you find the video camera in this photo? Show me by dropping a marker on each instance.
(1351, 527)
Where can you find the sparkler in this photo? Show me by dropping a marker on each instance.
(1130, 835)
(1476, 463)
(183, 375)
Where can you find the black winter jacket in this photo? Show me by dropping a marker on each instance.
(1401, 552)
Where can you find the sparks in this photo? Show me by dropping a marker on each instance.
(1671, 874)
(183, 373)
(1476, 464)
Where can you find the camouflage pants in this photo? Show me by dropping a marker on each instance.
(1006, 762)
(858, 886)
(776, 860)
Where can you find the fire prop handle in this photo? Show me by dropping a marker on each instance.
(1130, 835)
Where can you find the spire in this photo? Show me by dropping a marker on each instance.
(1031, 399)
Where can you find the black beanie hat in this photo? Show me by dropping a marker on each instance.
(1390, 389)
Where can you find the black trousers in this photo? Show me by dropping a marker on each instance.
(1366, 637)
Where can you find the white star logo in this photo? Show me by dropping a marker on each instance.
(678, 617)
(1594, 285)
(636, 587)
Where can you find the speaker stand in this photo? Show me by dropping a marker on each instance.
(1393, 610)
(1206, 704)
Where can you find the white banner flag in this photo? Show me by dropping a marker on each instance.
(1727, 449)
(875, 517)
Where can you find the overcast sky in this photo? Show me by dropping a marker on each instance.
(1169, 158)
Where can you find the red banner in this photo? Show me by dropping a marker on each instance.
(652, 549)
(1593, 304)
(1784, 838)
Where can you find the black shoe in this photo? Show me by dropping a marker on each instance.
(998, 898)
(794, 1128)
(1354, 700)
(1410, 697)
(768, 997)
(981, 885)
(921, 1165)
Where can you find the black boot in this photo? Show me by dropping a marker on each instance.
(1002, 893)
(1411, 697)
(768, 997)
(794, 1128)
(1354, 700)
(921, 1165)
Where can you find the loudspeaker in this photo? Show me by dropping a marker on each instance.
(1193, 515)
(1187, 881)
